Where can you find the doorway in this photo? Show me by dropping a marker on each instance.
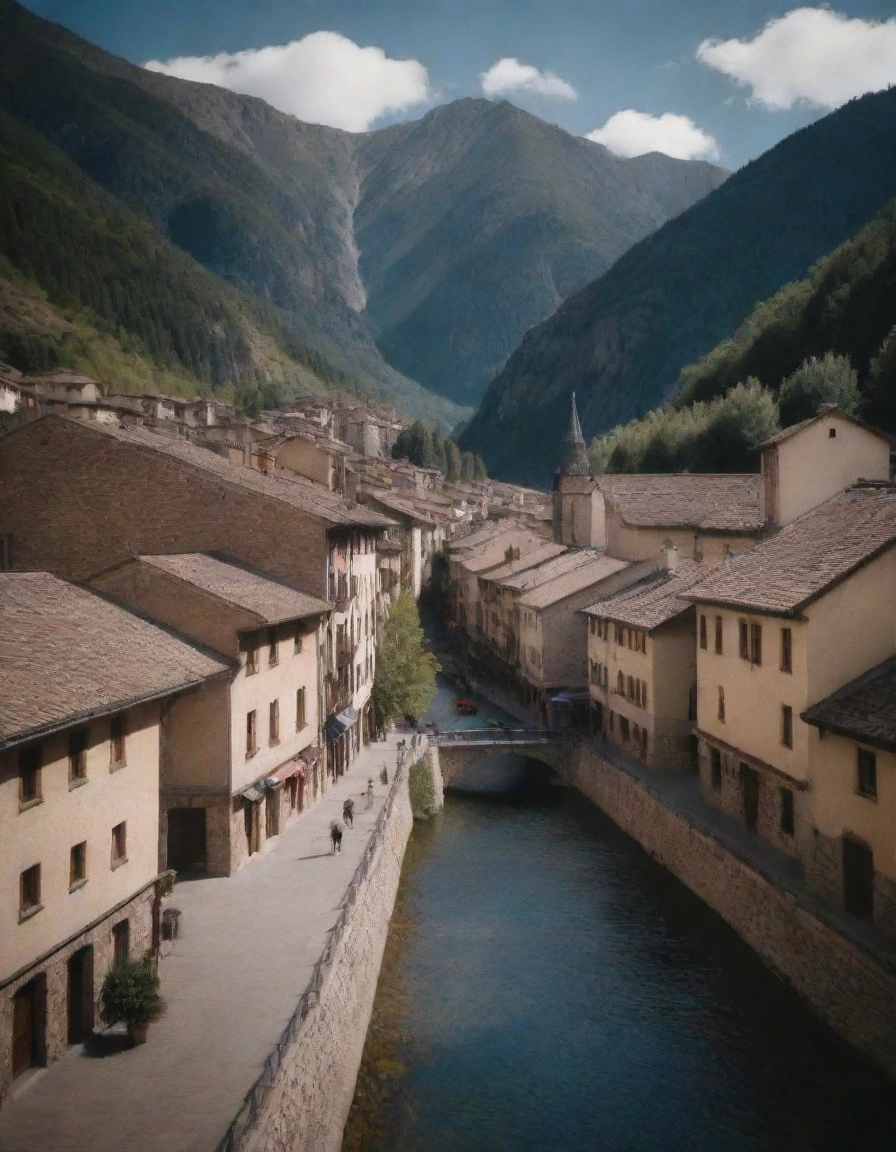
(80, 995)
(252, 825)
(750, 783)
(858, 878)
(272, 813)
(27, 1026)
(186, 839)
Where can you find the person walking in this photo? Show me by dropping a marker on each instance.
(369, 794)
(336, 836)
(348, 812)
(384, 774)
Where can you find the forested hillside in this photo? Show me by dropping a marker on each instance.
(622, 342)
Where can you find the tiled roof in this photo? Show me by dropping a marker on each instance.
(531, 559)
(66, 653)
(568, 584)
(316, 502)
(864, 709)
(720, 503)
(567, 561)
(270, 599)
(826, 411)
(485, 535)
(808, 556)
(405, 507)
(653, 600)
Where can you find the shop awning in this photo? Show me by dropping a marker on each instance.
(296, 767)
(336, 725)
(572, 696)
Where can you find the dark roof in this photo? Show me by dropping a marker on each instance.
(808, 556)
(654, 600)
(314, 501)
(68, 653)
(729, 502)
(864, 709)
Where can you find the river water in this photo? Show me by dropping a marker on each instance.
(548, 987)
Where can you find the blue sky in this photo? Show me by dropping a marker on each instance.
(764, 68)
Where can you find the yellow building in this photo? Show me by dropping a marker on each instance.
(83, 687)
(642, 665)
(852, 757)
(780, 628)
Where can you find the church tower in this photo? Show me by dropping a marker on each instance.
(577, 505)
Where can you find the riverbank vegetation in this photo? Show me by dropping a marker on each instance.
(405, 681)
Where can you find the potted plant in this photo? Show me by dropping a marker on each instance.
(130, 995)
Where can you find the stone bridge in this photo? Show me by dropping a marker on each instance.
(464, 746)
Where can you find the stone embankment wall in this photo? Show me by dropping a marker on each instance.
(302, 1101)
(850, 988)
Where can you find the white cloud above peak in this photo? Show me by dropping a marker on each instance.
(509, 75)
(811, 56)
(630, 133)
(324, 78)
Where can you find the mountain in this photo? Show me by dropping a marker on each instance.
(415, 255)
(622, 341)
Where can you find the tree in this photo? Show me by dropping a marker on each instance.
(737, 426)
(452, 461)
(405, 682)
(880, 393)
(831, 380)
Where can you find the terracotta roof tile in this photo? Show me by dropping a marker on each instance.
(721, 503)
(864, 709)
(567, 561)
(653, 600)
(67, 652)
(531, 559)
(808, 556)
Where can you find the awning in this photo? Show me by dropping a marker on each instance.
(335, 726)
(572, 696)
(255, 795)
(295, 767)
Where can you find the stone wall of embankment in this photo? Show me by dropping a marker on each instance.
(302, 1101)
(845, 984)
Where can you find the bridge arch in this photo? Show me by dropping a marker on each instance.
(461, 749)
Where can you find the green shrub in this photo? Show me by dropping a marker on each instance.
(130, 993)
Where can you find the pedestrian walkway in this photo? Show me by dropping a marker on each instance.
(246, 952)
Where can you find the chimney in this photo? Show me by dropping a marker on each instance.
(669, 556)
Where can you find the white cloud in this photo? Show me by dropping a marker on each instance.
(324, 78)
(810, 55)
(630, 133)
(509, 75)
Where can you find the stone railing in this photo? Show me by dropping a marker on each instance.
(467, 736)
(239, 1133)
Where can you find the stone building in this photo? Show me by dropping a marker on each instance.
(853, 778)
(83, 688)
(780, 628)
(642, 665)
(242, 757)
(82, 497)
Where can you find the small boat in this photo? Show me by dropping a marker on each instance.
(466, 707)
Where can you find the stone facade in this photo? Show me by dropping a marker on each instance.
(845, 984)
(51, 974)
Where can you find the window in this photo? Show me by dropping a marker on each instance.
(29, 775)
(786, 725)
(300, 709)
(630, 685)
(116, 742)
(743, 631)
(251, 657)
(251, 734)
(620, 683)
(715, 768)
(643, 694)
(718, 635)
(786, 811)
(121, 943)
(77, 755)
(786, 650)
(297, 640)
(867, 771)
(274, 722)
(77, 865)
(119, 844)
(721, 704)
(272, 647)
(702, 631)
(756, 644)
(832, 433)
(29, 890)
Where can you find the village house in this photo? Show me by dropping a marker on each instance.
(852, 741)
(242, 757)
(83, 689)
(486, 547)
(642, 665)
(496, 612)
(420, 533)
(82, 497)
(780, 628)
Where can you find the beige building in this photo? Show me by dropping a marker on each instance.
(84, 685)
(243, 756)
(642, 665)
(853, 795)
(779, 629)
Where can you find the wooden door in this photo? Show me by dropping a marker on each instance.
(80, 995)
(750, 784)
(858, 878)
(24, 1029)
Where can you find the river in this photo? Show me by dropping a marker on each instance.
(549, 987)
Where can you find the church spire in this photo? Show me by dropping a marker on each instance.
(575, 456)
